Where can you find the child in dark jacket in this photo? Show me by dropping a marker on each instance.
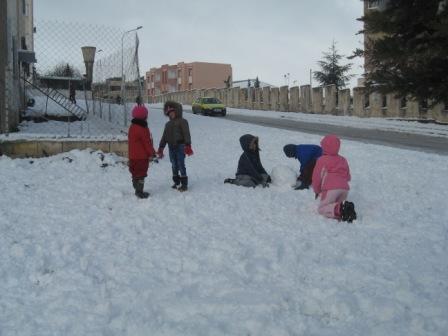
(330, 181)
(177, 135)
(250, 172)
(307, 156)
(140, 149)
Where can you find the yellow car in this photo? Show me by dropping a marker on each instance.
(209, 106)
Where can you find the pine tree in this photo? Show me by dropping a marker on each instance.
(257, 83)
(332, 72)
(409, 54)
(64, 70)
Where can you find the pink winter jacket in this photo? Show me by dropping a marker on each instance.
(331, 170)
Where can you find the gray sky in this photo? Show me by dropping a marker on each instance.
(264, 38)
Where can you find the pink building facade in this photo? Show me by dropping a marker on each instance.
(187, 76)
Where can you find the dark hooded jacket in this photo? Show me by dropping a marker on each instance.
(176, 130)
(249, 163)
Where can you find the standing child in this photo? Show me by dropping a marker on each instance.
(330, 181)
(250, 171)
(177, 135)
(307, 156)
(140, 149)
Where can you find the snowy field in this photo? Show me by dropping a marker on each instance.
(82, 256)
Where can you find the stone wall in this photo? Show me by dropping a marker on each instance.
(319, 100)
(41, 148)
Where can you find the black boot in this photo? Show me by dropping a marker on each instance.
(139, 185)
(348, 213)
(176, 180)
(183, 183)
(229, 180)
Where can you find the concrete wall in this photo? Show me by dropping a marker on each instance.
(266, 95)
(305, 98)
(284, 99)
(317, 100)
(313, 100)
(37, 148)
(330, 99)
(294, 99)
(275, 101)
(344, 102)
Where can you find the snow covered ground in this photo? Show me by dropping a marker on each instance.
(82, 256)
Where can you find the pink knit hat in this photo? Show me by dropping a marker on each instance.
(140, 112)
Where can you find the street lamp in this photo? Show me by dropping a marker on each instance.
(122, 71)
(286, 78)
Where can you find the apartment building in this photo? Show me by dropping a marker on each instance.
(187, 76)
(16, 59)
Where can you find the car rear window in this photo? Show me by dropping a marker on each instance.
(211, 101)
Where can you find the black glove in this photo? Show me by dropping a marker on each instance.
(269, 180)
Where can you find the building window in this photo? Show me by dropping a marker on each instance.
(172, 74)
(190, 72)
(158, 77)
(190, 86)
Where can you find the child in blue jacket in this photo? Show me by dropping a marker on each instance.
(307, 156)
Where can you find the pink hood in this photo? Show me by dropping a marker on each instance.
(330, 144)
(331, 171)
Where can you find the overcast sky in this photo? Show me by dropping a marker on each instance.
(264, 38)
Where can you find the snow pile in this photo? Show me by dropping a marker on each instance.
(82, 256)
(282, 175)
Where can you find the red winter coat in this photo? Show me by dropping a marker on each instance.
(140, 145)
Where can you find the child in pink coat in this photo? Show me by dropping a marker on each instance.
(330, 181)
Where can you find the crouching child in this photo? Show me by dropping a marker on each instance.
(330, 182)
(307, 156)
(250, 171)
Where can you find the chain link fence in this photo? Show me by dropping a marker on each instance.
(72, 96)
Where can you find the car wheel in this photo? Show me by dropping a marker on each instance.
(223, 114)
(203, 112)
(194, 110)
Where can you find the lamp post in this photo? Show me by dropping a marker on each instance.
(286, 78)
(122, 72)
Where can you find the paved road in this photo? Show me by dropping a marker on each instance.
(423, 143)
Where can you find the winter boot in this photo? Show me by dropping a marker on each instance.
(176, 180)
(229, 180)
(183, 183)
(139, 185)
(348, 213)
(134, 184)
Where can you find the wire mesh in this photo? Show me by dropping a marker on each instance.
(68, 99)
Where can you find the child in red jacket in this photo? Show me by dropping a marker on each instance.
(140, 149)
(330, 179)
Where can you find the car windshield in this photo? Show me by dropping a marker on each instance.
(211, 101)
